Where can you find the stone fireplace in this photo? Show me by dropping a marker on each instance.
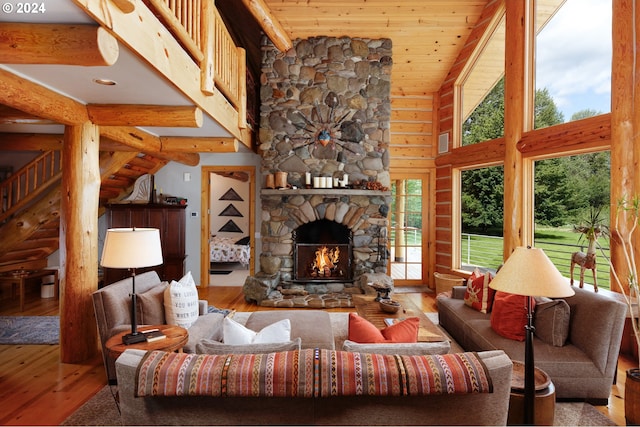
(325, 112)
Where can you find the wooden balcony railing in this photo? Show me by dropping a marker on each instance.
(29, 182)
(197, 25)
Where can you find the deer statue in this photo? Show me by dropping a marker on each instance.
(587, 261)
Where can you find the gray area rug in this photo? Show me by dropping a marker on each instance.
(22, 330)
(102, 410)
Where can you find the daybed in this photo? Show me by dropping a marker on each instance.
(583, 368)
(224, 403)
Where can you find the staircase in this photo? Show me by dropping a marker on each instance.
(30, 210)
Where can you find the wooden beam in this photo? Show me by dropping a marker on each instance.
(126, 6)
(11, 116)
(30, 141)
(199, 145)
(164, 54)
(269, 23)
(79, 242)
(111, 163)
(62, 44)
(37, 100)
(146, 143)
(145, 115)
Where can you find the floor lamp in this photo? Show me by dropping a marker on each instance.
(132, 248)
(529, 272)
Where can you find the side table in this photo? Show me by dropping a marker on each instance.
(544, 400)
(20, 277)
(176, 338)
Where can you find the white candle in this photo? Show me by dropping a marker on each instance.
(307, 178)
(316, 182)
(329, 182)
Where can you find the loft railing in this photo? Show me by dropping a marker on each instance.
(29, 182)
(197, 25)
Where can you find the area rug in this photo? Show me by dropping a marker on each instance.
(102, 410)
(22, 330)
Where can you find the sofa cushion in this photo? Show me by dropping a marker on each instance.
(181, 302)
(509, 315)
(237, 334)
(150, 305)
(551, 320)
(216, 347)
(363, 331)
(408, 349)
(313, 326)
(479, 295)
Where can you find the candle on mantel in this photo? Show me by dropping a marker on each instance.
(307, 178)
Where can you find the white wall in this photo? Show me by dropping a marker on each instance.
(171, 180)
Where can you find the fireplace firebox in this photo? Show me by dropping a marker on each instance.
(323, 252)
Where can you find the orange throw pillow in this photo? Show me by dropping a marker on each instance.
(509, 315)
(362, 331)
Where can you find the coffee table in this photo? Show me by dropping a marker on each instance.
(176, 338)
(367, 307)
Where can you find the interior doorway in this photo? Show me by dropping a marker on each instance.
(228, 224)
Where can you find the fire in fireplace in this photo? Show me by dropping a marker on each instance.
(322, 252)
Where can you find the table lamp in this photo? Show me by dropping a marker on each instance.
(132, 248)
(529, 272)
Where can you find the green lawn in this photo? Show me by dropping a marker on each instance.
(558, 244)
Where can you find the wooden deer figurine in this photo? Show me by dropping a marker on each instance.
(586, 261)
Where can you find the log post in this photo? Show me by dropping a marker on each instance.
(624, 140)
(79, 242)
(517, 93)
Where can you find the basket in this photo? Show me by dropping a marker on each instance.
(444, 282)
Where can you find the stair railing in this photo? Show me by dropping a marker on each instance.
(30, 181)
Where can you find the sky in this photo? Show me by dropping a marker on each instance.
(574, 57)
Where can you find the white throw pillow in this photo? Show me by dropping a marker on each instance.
(181, 302)
(236, 334)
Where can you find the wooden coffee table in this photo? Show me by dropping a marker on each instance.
(176, 338)
(367, 307)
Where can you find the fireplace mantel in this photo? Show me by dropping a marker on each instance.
(323, 191)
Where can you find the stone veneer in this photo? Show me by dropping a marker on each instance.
(341, 86)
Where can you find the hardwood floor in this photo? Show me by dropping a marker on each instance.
(35, 389)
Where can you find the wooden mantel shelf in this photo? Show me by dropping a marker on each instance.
(323, 191)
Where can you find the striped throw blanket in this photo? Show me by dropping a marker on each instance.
(309, 373)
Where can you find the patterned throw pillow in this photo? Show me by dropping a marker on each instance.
(479, 295)
(181, 302)
(509, 315)
(363, 331)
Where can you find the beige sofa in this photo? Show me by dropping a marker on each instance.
(440, 409)
(583, 368)
(112, 306)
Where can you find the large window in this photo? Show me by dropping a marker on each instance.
(572, 204)
(481, 217)
(573, 57)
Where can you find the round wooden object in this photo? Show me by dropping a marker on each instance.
(176, 338)
(542, 380)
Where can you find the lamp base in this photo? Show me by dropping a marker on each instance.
(133, 338)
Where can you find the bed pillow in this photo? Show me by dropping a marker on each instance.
(215, 347)
(363, 331)
(479, 295)
(181, 302)
(236, 334)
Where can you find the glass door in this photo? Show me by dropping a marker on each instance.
(409, 257)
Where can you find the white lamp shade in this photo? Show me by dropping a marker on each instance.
(131, 248)
(529, 272)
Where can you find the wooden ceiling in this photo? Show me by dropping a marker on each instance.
(427, 35)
